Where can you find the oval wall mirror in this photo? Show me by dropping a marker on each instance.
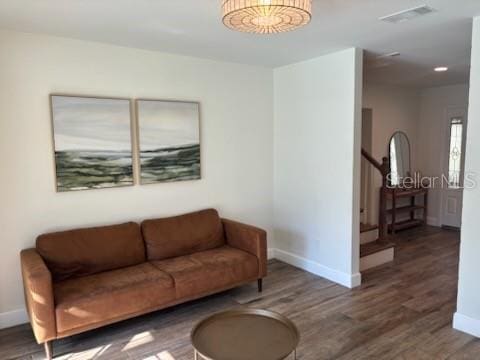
(399, 158)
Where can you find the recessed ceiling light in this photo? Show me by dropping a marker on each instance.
(441, 69)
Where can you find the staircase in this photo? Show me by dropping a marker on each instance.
(375, 248)
(373, 251)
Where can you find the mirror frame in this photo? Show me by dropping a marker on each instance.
(409, 152)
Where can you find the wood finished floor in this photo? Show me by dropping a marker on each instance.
(402, 311)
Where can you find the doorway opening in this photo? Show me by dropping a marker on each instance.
(413, 157)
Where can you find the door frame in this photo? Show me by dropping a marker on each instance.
(449, 110)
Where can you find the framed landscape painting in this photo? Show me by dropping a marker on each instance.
(169, 140)
(92, 142)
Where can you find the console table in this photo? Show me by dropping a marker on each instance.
(394, 195)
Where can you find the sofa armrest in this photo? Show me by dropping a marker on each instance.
(250, 239)
(38, 288)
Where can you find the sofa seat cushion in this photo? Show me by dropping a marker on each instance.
(109, 296)
(207, 271)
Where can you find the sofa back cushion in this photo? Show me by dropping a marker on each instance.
(89, 251)
(182, 235)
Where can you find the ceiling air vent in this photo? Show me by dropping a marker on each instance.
(381, 60)
(409, 14)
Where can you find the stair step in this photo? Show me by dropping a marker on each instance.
(375, 254)
(367, 227)
(368, 233)
(374, 247)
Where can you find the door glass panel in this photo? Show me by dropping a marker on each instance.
(455, 154)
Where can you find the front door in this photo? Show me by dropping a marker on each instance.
(454, 164)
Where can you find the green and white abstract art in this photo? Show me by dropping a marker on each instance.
(92, 141)
(169, 141)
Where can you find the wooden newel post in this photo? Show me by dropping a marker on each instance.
(382, 213)
(384, 169)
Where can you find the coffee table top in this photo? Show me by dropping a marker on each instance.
(245, 334)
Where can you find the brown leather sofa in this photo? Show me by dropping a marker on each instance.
(83, 279)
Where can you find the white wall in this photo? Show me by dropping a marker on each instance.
(393, 109)
(317, 156)
(236, 127)
(467, 317)
(433, 132)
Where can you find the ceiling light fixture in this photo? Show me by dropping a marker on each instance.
(441, 69)
(266, 16)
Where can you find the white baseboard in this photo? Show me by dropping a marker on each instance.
(313, 267)
(270, 253)
(466, 324)
(355, 280)
(12, 318)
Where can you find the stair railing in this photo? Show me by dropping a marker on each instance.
(384, 169)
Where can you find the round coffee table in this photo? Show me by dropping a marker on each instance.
(245, 334)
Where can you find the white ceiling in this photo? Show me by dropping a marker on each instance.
(193, 27)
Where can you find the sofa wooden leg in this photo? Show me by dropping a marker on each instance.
(260, 285)
(48, 350)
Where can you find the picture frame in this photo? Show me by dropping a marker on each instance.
(92, 142)
(168, 140)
